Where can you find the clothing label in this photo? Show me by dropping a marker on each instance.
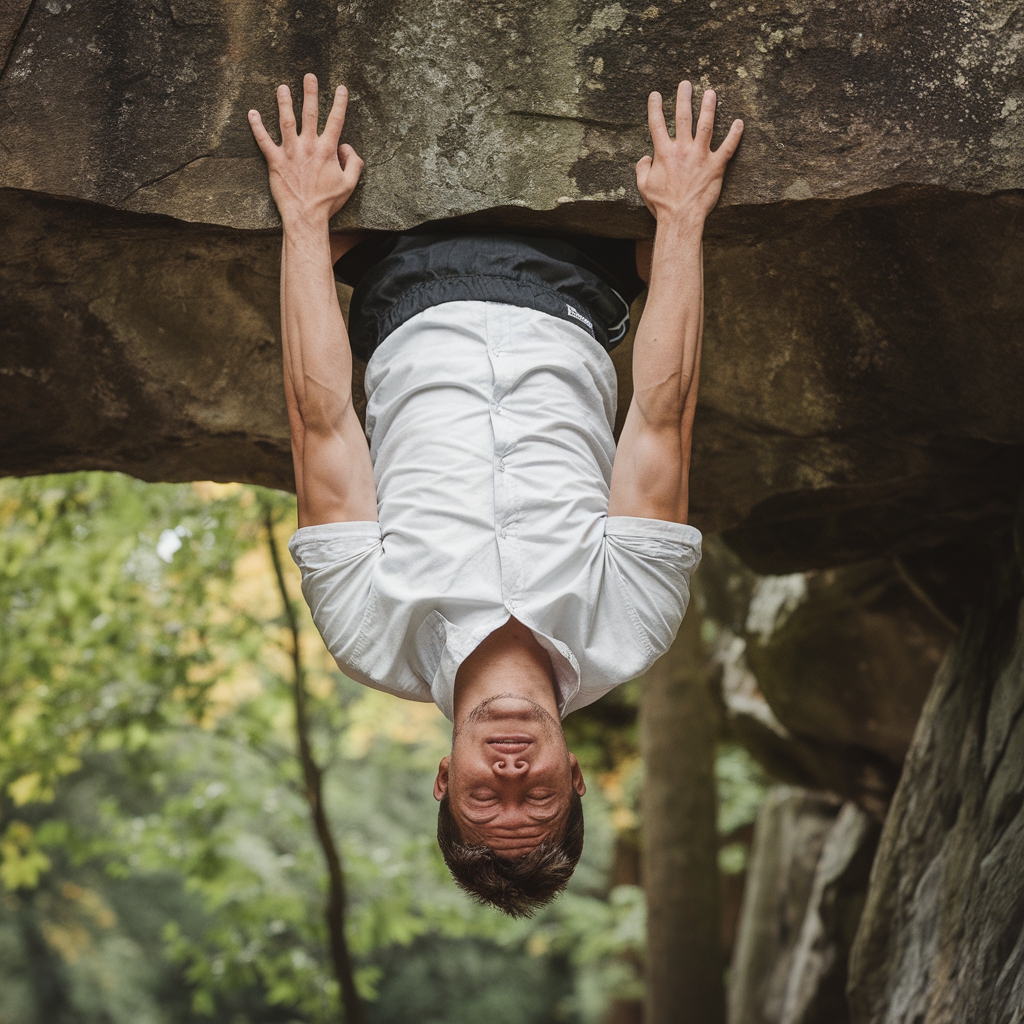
(577, 315)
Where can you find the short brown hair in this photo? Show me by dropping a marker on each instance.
(519, 886)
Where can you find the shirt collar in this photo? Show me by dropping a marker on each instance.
(442, 646)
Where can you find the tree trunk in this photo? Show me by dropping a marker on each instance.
(678, 733)
(312, 774)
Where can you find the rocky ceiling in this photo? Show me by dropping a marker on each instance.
(864, 358)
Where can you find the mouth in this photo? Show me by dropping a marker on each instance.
(509, 744)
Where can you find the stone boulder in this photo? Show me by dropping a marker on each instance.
(864, 274)
(941, 939)
(846, 657)
(806, 885)
(823, 674)
(459, 109)
(791, 829)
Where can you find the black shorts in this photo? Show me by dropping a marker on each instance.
(395, 276)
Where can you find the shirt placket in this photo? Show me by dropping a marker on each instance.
(507, 508)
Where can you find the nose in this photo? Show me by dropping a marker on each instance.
(509, 766)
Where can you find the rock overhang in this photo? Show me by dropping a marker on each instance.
(862, 361)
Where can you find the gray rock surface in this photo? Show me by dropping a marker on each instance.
(806, 885)
(459, 108)
(823, 674)
(865, 275)
(791, 830)
(144, 346)
(846, 657)
(942, 936)
(816, 986)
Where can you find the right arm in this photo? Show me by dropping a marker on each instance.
(311, 178)
(680, 185)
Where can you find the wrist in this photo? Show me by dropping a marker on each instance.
(680, 226)
(305, 226)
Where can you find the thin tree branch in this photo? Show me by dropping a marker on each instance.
(922, 595)
(334, 911)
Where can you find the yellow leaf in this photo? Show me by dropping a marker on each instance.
(20, 863)
(29, 788)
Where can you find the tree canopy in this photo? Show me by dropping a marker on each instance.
(157, 861)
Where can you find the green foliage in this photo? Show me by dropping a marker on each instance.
(156, 858)
(154, 838)
(102, 640)
(742, 786)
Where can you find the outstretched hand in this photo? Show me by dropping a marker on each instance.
(311, 176)
(684, 177)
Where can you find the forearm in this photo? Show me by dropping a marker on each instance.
(317, 357)
(666, 353)
(680, 185)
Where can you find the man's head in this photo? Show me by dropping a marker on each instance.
(510, 822)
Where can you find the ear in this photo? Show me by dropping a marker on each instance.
(441, 782)
(577, 775)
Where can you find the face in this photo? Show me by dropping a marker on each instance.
(509, 777)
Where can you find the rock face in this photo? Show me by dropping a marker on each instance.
(816, 986)
(840, 99)
(861, 372)
(806, 884)
(146, 346)
(823, 674)
(790, 832)
(941, 938)
(845, 659)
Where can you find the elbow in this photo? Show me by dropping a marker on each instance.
(321, 410)
(663, 405)
(320, 419)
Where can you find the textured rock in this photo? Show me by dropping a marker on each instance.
(846, 656)
(823, 674)
(143, 346)
(861, 377)
(816, 986)
(806, 884)
(459, 109)
(865, 274)
(941, 939)
(797, 760)
(791, 829)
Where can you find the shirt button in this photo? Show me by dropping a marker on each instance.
(497, 410)
(504, 532)
(501, 466)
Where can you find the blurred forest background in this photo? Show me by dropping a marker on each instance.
(157, 860)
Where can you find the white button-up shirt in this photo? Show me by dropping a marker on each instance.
(490, 430)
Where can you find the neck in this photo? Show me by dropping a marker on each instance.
(509, 661)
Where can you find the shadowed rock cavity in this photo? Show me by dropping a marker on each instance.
(859, 397)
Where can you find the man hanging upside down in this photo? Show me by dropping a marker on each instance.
(490, 549)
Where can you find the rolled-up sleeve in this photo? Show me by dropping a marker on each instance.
(652, 561)
(337, 561)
